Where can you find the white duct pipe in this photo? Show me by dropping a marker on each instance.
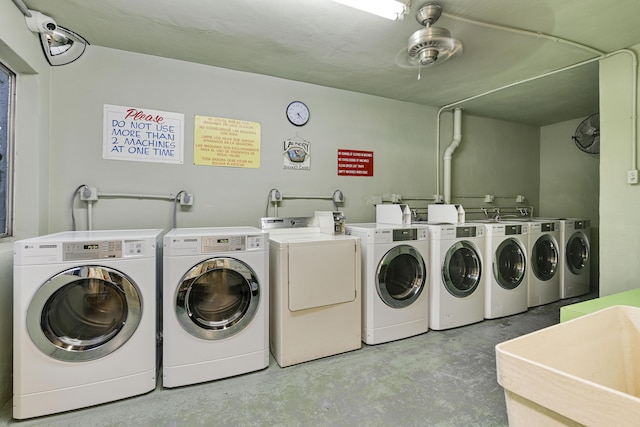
(448, 153)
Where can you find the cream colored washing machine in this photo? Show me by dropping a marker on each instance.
(315, 298)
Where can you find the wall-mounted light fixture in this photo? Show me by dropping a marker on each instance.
(390, 9)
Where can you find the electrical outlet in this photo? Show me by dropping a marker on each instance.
(519, 199)
(89, 194)
(186, 199)
(488, 198)
(632, 176)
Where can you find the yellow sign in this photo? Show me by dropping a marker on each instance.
(226, 142)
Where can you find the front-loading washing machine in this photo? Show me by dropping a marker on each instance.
(215, 304)
(544, 256)
(576, 254)
(395, 286)
(85, 319)
(315, 300)
(457, 289)
(506, 284)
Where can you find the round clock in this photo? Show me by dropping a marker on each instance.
(298, 113)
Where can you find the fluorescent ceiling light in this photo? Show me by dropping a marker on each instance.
(390, 9)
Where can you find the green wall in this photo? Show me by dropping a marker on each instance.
(570, 182)
(619, 201)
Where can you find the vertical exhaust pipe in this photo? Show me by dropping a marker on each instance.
(448, 153)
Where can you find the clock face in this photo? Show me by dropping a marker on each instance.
(298, 113)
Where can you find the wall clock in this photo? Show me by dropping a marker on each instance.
(298, 113)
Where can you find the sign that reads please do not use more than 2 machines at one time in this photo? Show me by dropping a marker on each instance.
(143, 135)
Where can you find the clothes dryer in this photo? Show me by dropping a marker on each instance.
(395, 287)
(575, 252)
(215, 303)
(84, 325)
(544, 256)
(506, 284)
(315, 299)
(457, 289)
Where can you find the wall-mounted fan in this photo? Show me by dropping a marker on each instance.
(587, 134)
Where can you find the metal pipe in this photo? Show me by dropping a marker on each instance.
(448, 153)
(525, 33)
(23, 8)
(137, 196)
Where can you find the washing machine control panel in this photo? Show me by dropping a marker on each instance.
(232, 243)
(106, 249)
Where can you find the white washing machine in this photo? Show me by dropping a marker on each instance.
(506, 285)
(575, 251)
(315, 300)
(457, 289)
(215, 303)
(545, 262)
(395, 286)
(84, 325)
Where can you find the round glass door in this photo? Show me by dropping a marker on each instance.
(217, 298)
(84, 313)
(462, 269)
(545, 258)
(577, 253)
(401, 276)
(509, 264)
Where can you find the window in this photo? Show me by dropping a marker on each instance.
(7, 82)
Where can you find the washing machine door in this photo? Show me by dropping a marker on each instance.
(462, 269)
(84, 313)
(401, 276)
(577, 253)
(545, 258)
(217, 298)
(509, 264)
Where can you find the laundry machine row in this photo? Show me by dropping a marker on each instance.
(90, 306)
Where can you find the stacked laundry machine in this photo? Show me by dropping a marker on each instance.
(85, 315)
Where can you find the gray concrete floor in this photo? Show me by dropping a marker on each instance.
(440, 378)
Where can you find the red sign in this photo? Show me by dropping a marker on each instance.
(355, 163)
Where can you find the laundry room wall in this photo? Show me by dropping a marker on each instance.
(619, 201)
(20, 51)
(401, 136)
(495, 158)
(570, 182)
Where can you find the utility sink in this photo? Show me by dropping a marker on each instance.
(582, 372)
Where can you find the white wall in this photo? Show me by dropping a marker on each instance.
(400, 134)
(619, 202)
(570, 182)
(20, 51)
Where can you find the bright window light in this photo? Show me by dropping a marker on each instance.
(390, 9)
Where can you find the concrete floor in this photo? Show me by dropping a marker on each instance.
(441, 378)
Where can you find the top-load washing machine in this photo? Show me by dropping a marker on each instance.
(395, 287)
(576, 255)
(506, 284)
(85, 319)
(215, 303)
(545, 261)
(315, 299)
(457, 289)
